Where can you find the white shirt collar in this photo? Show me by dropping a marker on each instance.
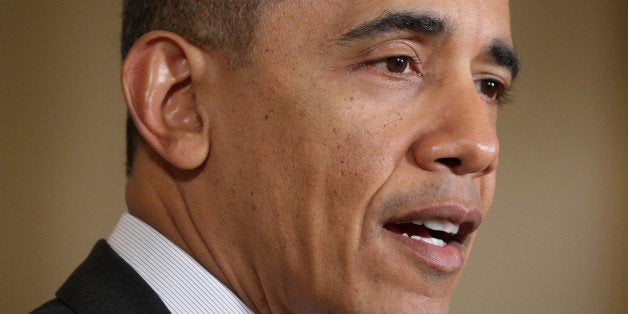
(180, 281)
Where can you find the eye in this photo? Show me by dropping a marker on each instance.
(396, 64)
(490, 88)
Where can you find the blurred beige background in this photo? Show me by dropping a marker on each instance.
(554, 242)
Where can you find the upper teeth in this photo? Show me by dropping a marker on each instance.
(439, 225)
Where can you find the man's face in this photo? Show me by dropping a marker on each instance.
(354, 156)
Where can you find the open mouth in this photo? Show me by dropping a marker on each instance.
(438, 232)
(437, 235)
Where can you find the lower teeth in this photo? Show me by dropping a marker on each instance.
(432, 241)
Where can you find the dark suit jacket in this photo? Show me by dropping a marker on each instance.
(104, 283)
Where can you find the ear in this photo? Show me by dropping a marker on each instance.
(159, 76)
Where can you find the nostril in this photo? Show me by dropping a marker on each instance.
(451, 162)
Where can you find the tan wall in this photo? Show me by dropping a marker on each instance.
(555, 239)
(553, 243)
(61, 141)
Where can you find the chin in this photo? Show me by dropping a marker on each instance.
(398, 303)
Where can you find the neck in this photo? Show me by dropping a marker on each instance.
(154, 194)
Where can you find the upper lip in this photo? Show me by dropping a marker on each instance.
(467, 217)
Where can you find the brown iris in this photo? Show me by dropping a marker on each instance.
(397, 64)
(491, 88)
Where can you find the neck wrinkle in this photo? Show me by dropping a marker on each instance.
(158, 199)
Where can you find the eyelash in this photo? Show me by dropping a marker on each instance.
(506, 97)
(408, 62)
(380, 65)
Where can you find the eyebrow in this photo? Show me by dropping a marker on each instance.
(422, 23)
(432, 25)
(504, 54)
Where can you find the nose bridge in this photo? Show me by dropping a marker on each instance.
(464, 140)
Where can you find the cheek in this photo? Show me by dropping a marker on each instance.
(363, 154)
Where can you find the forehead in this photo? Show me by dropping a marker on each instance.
(328, 19)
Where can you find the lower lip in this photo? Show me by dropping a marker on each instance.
(445, 259)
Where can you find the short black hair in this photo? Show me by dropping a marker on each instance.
(225, 25)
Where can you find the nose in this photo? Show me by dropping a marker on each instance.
(463, 140)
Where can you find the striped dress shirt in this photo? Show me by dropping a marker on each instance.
(181, 282)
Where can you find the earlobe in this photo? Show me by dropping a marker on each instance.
(158, 85)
